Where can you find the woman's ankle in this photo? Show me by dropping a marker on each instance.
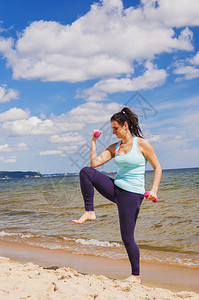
(133, 278)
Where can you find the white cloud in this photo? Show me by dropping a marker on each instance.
(50, 152)
(2, 29)
(64, 124)
(21, 147)
(174, 13)
(92, 112)
(14, 123)
(6, 46)
(105, 42)
(188, 68)
(69, 149)
(8, 160)
(154, 138)
(14, 114)
(7, 148)
(151, 78)
(4, 148)
(195, 60)
(35, 126)
(67, 138)
(7, 95)
(17, 147)
(188, 72)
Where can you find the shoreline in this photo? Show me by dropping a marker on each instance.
(173, 278)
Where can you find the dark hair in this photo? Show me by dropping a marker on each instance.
(126, 115)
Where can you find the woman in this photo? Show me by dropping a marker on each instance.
(127, 190)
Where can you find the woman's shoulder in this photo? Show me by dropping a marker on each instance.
(112, 147)
(143, 143)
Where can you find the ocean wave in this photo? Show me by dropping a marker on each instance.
(3, 233)
(95, 242)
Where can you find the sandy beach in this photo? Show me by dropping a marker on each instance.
(30, 281)
(35, 273)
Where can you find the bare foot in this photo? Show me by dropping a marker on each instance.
(87, 216)
(133, 278)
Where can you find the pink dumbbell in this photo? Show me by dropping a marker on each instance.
(146, 195)
(97, 134)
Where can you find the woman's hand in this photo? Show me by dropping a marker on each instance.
(105, 156)
(96, 134)
(153, 195)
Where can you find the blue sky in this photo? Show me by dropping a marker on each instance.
(67, 66)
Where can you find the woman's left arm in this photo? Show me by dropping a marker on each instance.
(148, 151)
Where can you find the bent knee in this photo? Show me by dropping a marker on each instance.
(84, 170)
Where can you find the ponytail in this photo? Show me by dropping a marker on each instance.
(126, 115)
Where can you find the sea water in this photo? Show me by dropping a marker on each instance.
(38, 212)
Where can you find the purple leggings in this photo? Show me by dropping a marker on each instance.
(128, 204)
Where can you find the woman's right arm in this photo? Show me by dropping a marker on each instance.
(108, 154)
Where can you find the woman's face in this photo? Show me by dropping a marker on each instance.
(118, 130)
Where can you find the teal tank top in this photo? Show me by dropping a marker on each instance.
(131, 169)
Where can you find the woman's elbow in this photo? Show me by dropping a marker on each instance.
(158, 167)
(93, 165)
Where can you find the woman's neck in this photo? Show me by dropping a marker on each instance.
(128, 138)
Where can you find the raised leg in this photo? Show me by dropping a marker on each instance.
(89, 179)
